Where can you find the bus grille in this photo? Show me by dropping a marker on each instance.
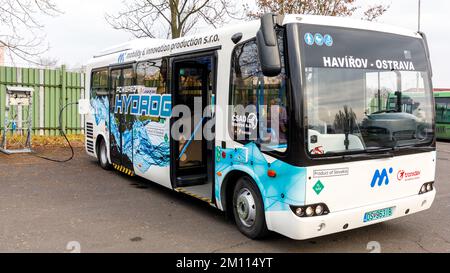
(90, 137)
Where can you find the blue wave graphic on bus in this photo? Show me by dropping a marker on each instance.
(145, 150)
(287, 188)
(149, 150)
(137, 144)
(100, 107)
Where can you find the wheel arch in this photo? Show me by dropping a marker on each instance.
(98, 140)
(228, 184)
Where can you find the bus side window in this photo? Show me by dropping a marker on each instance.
(99, 86)
(151, 76)
(128, 77)
(259, 103)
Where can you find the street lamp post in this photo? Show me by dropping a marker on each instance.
(419, 15)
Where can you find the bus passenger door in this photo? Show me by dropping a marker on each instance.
(192, 153)
(121, 122)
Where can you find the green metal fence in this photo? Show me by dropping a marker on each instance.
(53, 89)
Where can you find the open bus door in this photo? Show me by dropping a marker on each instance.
(192, 154)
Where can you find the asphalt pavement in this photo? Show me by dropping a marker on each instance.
(77, 206)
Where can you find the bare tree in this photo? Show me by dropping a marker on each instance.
(48, 62)
(20, 29)
(170, 18)
(374, 12)
(313, 7)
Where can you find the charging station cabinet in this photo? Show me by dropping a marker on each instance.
(17, 128)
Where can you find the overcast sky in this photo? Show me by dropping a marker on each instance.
(82, 30)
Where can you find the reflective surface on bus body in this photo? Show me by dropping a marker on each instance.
(252, 93)
(365, 91)
(442, 115)
(443, 110)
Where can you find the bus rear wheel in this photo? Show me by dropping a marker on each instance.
(248, 209)
(103, 155)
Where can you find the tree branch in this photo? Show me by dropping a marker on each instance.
(18, 18)
(178, 17)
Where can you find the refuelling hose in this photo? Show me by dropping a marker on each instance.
(63, 133)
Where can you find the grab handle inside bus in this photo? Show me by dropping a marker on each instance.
(268, 50)
(183, 151)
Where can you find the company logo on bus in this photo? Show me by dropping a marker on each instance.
(121, 58)
(381, 177)
(248, 122)
(402, 175)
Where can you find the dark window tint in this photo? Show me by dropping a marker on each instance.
(259, 103)
(443, 110)
(99, 83)
(364, 90)
(128, 77)
(151, 77)
(361, 49)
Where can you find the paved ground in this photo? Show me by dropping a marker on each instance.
(44, 206)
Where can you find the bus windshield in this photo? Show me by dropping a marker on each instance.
(365, 91)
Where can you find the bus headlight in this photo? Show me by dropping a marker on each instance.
(311, 210)
(427, 188)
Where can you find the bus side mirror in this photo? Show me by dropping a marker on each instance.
(268, 50)
(83, 106)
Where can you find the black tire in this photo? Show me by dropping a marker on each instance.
(253, 227)
(102, 155)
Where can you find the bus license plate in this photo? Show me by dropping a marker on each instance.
(378, 214)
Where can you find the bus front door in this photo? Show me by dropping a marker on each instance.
(121, 123)
(191, 151)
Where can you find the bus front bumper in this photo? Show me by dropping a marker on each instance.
(297, 228)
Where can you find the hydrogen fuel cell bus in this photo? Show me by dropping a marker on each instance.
(309, 133)
(442, 114)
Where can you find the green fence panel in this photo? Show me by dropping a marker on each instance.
(53, 89)
(8, 76)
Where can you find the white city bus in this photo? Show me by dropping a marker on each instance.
(339, 154)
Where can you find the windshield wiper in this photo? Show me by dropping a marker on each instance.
(419, 147)
(372, 153)
(386, 111)
(379, 150)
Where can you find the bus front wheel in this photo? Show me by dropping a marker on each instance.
(248, 209)
(103, 155)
